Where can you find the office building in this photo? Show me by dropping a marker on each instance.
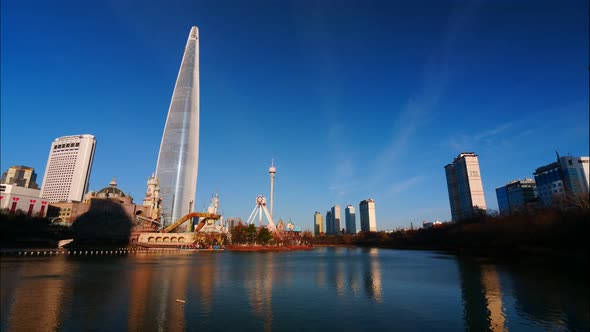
(336, 217)
(561, 182)
(517, 197)
(21, 176)
(329, 223)
(317, 223)
(368, 219)
(465, 187)
(67, 174)
(178, 159)
(350, 218)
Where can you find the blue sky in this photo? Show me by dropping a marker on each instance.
(353, 99)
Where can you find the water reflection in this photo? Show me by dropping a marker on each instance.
(482, 297)
(347, 269)
(260, 289)
(35, 300)
(551, 297)
(287, 291)
(493, 295)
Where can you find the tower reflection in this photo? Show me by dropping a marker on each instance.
(483, 309)
(153, 294)
(260, 292)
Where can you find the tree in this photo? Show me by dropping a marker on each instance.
(306, 237)
(238, 234)
(251, 233)
(264, 235)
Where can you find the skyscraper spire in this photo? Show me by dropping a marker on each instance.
(178, 159)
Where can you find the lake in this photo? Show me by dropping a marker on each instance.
(325, 289)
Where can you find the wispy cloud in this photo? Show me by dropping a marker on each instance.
(402, 186)
(486, 137)
(417, 111)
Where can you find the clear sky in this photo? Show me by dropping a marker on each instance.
(353, 99)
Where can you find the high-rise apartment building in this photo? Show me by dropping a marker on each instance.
(336, 217)
(178, 159)
(559, 183)
(350, 218)
(329, 223)
(21, 176)
(518, 196)
(465, 187)
(318, 228)
(368, 219)
(67, 174)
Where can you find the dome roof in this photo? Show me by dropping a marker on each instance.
(111, 190)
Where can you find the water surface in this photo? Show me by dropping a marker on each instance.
(326, 289)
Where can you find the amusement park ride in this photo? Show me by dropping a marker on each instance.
(259, 209)
(209, 227)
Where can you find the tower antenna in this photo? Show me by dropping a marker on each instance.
(272, 170)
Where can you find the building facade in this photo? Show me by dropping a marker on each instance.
(465, 187)
(561, 182)
(336, 218)
(318, 227)
(68, 212)
(350, 217)
(14, 199)
(67, 174)
(329, 223)
(368, 218)
(178, 159)
(22, 176)
(516, 197)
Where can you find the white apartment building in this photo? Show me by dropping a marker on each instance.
(465, 187)
(368, 219)
(68, 168)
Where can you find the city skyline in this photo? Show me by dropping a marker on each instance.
(413, 93)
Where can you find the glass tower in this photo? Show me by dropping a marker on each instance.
(178, 159)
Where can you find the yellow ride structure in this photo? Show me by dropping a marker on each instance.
(206, 216)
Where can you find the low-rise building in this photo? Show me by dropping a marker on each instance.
(15, 198)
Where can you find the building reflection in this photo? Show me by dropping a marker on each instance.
(260, 290)
(483, 309)
(154, 293)
(37, 299)
(352, 271)
(373, 276)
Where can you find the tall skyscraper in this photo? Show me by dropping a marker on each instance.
(317, 223)
(368, 218)
(67, 174)
(336, 217)
(329, 223)
(350, 219)
(21, 176)
(465, 188)
(178, 159)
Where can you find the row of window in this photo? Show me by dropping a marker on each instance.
(67, 145)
